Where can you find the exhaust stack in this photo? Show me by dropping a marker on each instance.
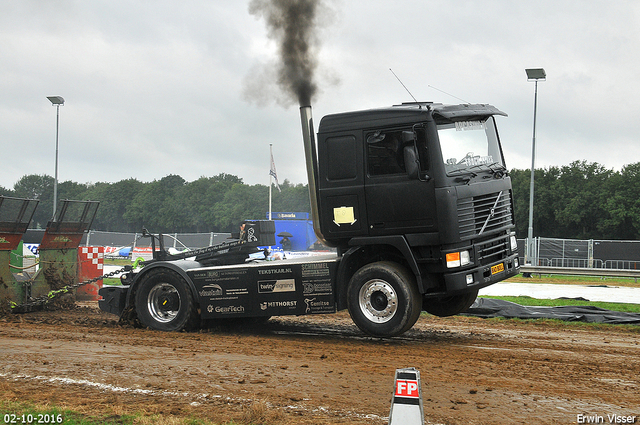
(312, 169)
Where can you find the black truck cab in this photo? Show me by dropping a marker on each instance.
(429, 183)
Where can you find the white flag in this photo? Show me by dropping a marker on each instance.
(273, 173)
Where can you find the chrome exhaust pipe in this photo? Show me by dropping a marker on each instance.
(312, 169)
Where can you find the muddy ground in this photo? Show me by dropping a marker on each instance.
(320, 370)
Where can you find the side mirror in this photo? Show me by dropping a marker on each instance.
(409, 137)
(411, 161)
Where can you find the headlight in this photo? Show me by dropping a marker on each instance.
(514, 243)
(457, 259)
(465, 258)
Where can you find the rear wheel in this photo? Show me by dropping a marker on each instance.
(383, 299)
(449, 306)
(164, 301)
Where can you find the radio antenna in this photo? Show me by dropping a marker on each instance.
(405, 87)
(448, 94)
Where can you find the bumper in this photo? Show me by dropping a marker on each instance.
(481, 276)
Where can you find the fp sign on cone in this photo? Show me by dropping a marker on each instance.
(406, 407)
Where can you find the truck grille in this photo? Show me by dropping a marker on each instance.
(484, 213)
(493, 250)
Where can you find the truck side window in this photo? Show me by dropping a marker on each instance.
(342, 151)
(385, 153)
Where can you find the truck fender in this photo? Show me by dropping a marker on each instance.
(182, 272)
(348, 267)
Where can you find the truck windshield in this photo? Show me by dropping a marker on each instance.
(470, 146)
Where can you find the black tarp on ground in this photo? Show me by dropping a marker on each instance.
(488, 307)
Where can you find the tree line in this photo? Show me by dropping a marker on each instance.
(578, 201)
(171, 204)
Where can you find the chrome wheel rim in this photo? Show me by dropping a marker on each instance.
(378, 301)
(163, 302)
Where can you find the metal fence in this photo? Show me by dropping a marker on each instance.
(591, 253)
(175, 240)
(136, 240)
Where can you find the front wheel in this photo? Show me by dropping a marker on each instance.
(383, 299)
(449, 306)
(164, 301)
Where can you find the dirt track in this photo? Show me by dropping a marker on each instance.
(320, 370)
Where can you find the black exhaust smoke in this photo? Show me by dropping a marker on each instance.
(293, 24)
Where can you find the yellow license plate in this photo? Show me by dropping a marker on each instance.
(497, 268)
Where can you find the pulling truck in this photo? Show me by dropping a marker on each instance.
(415, 199)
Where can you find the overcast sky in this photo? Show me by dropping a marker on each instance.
(154, 88)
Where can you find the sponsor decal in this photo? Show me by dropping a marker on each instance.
(316, 288)
(315, 270)
(314, 304)
(30, 247)
(289, 215)
(3, 240)
(273, 286)
(221, 276)
(211, 291)
(237, 291)
(63, 239)
(282, 270)
(470, 125)
(251, 235)
(230, 309)
(278, 304)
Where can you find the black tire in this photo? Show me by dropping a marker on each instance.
(449, 306)
(383, 299)
(164, 301)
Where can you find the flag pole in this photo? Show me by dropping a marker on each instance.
(270, 176)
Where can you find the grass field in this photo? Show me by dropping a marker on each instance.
(28, 413)
(624, 307)
(577, 280)
(20, 412)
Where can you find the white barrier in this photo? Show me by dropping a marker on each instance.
(406, 406)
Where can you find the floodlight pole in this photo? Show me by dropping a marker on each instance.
(530, 256)
(56, 101)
